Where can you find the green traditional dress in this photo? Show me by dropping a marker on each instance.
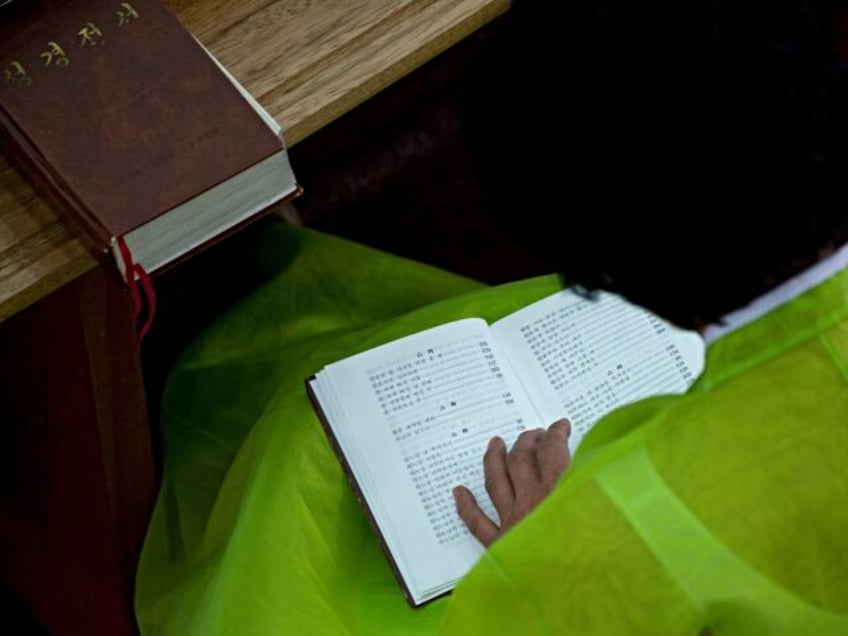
(722, 511)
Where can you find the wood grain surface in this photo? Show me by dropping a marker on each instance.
(306, 61)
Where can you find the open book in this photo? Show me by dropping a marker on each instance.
(410, 420)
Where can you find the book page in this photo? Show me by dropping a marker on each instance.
(414, 418)
(273, 124)
(581, 358)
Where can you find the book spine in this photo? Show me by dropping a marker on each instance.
(49, 186)
(360, 496)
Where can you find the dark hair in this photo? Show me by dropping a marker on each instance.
(684, 154)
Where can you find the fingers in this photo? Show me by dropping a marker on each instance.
(522, 463)
(552, 451)
(479, 525)
(516, 481)
(498, 483)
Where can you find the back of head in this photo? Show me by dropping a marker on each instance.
(686, 155)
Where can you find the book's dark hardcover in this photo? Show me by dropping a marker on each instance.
(116, 113)
(360, 495)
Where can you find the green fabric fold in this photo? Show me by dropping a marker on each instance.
(256, 530)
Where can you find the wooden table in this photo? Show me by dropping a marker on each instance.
(76, 506)
(306, 61)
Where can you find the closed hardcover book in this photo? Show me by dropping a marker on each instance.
(140, 139)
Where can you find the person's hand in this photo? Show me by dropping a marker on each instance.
(516, 481)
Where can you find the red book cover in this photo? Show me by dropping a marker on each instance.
(117, 114)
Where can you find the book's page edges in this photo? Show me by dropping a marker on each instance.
(273, 124)
(226, 233)
(360, 496)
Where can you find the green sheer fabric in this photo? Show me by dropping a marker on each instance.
(738, 522)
